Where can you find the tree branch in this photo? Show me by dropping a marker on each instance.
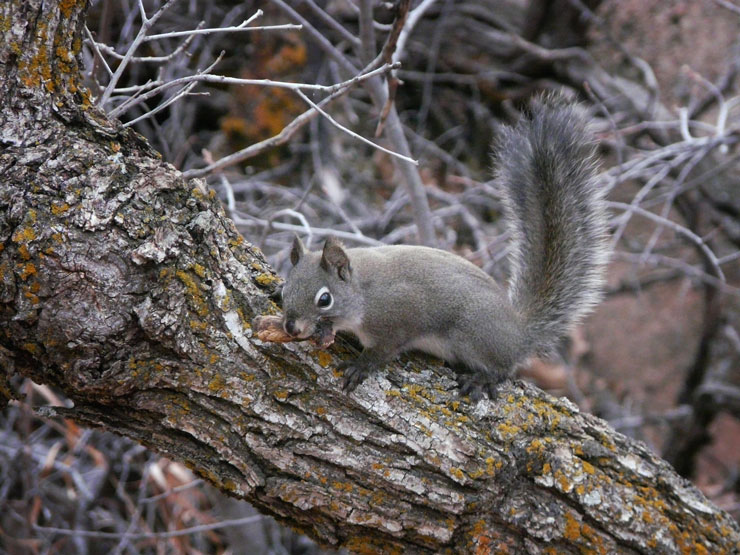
(126, 286)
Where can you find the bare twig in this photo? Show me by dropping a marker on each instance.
(152, 535)
(352, 133)
(289, 130)
(681, 230)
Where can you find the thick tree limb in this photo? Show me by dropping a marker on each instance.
(127, 287)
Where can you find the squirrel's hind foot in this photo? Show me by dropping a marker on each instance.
(477, 384)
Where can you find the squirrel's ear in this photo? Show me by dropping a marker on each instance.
(297, 251)
(335, 258)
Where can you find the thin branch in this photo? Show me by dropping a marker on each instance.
(352, 133)
(146, 24)
(288, 131)
(656, 260)
(332, 23)
(96, 51)
(144, 59)
(414, 17)
(729, 5)
(152, 535)
(320, 39)
(681, 230)
(205, 77)
(248, 220)
(237, 29)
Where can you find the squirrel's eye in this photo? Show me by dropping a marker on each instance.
(324, 299)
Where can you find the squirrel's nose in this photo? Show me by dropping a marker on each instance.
(290, 327)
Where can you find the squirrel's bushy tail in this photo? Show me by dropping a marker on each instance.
(557, 216)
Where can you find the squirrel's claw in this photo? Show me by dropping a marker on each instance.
(353, 376)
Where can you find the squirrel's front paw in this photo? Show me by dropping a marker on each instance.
(354, 375)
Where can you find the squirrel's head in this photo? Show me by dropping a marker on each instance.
(319, 288)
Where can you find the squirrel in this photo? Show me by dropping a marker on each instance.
(397, 298)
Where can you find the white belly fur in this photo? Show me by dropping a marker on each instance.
(431, 344)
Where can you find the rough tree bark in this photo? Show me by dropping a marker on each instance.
(127, 287)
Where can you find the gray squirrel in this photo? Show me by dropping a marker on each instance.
(398, 298)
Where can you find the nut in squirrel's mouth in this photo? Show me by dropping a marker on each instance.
(271, 328)
(301, 329)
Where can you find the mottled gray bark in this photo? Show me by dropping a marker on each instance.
(128, 288)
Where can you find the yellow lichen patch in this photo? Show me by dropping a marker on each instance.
(563, 481)
(476, 473)
(58, 209)
(216, 384)
(572, 530)
(324, 358)
(482, 539)
(266, 279)
(198, 325)
(535, 447)
(199, 270)
(230, 485)
(23, 251)
(236, 241)
(364, 492)
(38, 69)
(490, 463)
(281, 395)
(194, 294)
(24, 235)
(344, 486)
(507, 431)
(28, 270)
(378, 498)
(457, 473)
(66, 7)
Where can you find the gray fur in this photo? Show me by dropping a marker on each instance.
(397, 298)
(556, 214)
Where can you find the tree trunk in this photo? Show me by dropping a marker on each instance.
(128, 288)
